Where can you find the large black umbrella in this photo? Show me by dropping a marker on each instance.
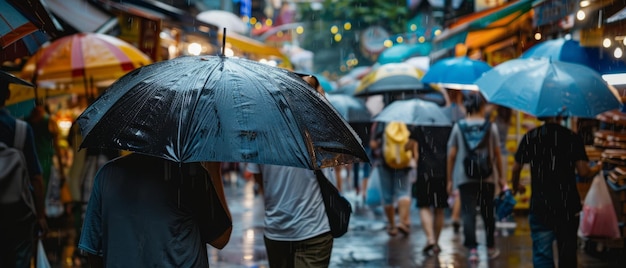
(215, 108)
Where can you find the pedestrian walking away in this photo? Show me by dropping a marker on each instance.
(21, 190)
(394, 182)
(140, 204)
(297, 232)
(554, 154)
(480, 136)
(430, 185)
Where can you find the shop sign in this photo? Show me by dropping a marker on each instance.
(550, 12)
(480, 5)
(591, 37)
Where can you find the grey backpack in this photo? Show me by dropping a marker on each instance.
(14, 179)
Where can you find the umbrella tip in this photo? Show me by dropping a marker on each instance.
(224, 43)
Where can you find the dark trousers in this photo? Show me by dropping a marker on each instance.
(312, 252)
(473, 195)
(544, 231)
(16, 244)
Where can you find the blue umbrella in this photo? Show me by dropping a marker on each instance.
(456, 73)
(545, 88)
(569, 50)
(414, 112)
(401, 52)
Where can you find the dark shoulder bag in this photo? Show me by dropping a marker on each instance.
(338, 208)
(477, 163)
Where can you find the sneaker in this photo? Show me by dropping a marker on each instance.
(493, 253)
(473, 255)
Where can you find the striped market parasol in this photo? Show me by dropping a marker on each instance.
(70, 62)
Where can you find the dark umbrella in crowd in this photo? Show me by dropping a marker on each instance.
(215, 108)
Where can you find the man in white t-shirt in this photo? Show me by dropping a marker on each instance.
(297, 233)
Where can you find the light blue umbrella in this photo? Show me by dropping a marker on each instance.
(546, 88)
(414, 112)
(456, 73)
(568, 50)
(401, 52)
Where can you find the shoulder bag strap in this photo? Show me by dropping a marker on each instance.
(462, 128)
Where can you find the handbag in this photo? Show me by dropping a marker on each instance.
(338, 208)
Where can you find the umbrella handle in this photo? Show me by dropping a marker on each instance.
(224, 43)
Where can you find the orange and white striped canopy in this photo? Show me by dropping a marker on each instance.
(85, 56)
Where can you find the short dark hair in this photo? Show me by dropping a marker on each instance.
(473, 102)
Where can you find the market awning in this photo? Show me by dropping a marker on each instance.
(79, 14)
(253, 47)
(488, 26)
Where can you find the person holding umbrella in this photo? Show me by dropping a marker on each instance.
(140, 204)
(19, 222)
(554, 154)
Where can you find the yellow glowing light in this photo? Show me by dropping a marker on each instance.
(269, 22)
(421, 39)
(584, 3)
(347, 26)
(580, 15)
(337, 37)
(606, 42)
(245, 19)
(413, 27)
(258, 25)
(300, 30)
(537, 36)
(194, 49)
(399, 39)
(388, 43)
(618, 53)
(334, 29)
(253, 20)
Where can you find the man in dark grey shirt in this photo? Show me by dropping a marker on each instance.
(149, 212)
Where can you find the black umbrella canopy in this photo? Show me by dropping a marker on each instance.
(10, 78)
(215, 108)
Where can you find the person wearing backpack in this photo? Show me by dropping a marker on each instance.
(395, 152)
(23, 213)
(474, 161)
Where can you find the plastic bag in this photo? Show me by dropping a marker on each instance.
(599, 218)
(504, 203)
(42, 258)
(373, 195)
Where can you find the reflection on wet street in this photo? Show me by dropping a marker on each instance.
(365, 245)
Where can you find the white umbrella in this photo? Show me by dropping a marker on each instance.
(223, 19)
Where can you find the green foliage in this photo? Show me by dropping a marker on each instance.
(390, 14)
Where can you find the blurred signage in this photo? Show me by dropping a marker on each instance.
(245, 8)
(553, 11)
(591, 37)
(486, 4)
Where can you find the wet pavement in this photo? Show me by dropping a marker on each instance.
(365, 245)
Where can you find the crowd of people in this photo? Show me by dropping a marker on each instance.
(137, 210)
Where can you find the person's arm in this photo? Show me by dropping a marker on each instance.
(39, 198)
(258, 178)
(450, 167)
(95, 261)
(585, 171)
(215, 172)
(498, 155)
(516, 170)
